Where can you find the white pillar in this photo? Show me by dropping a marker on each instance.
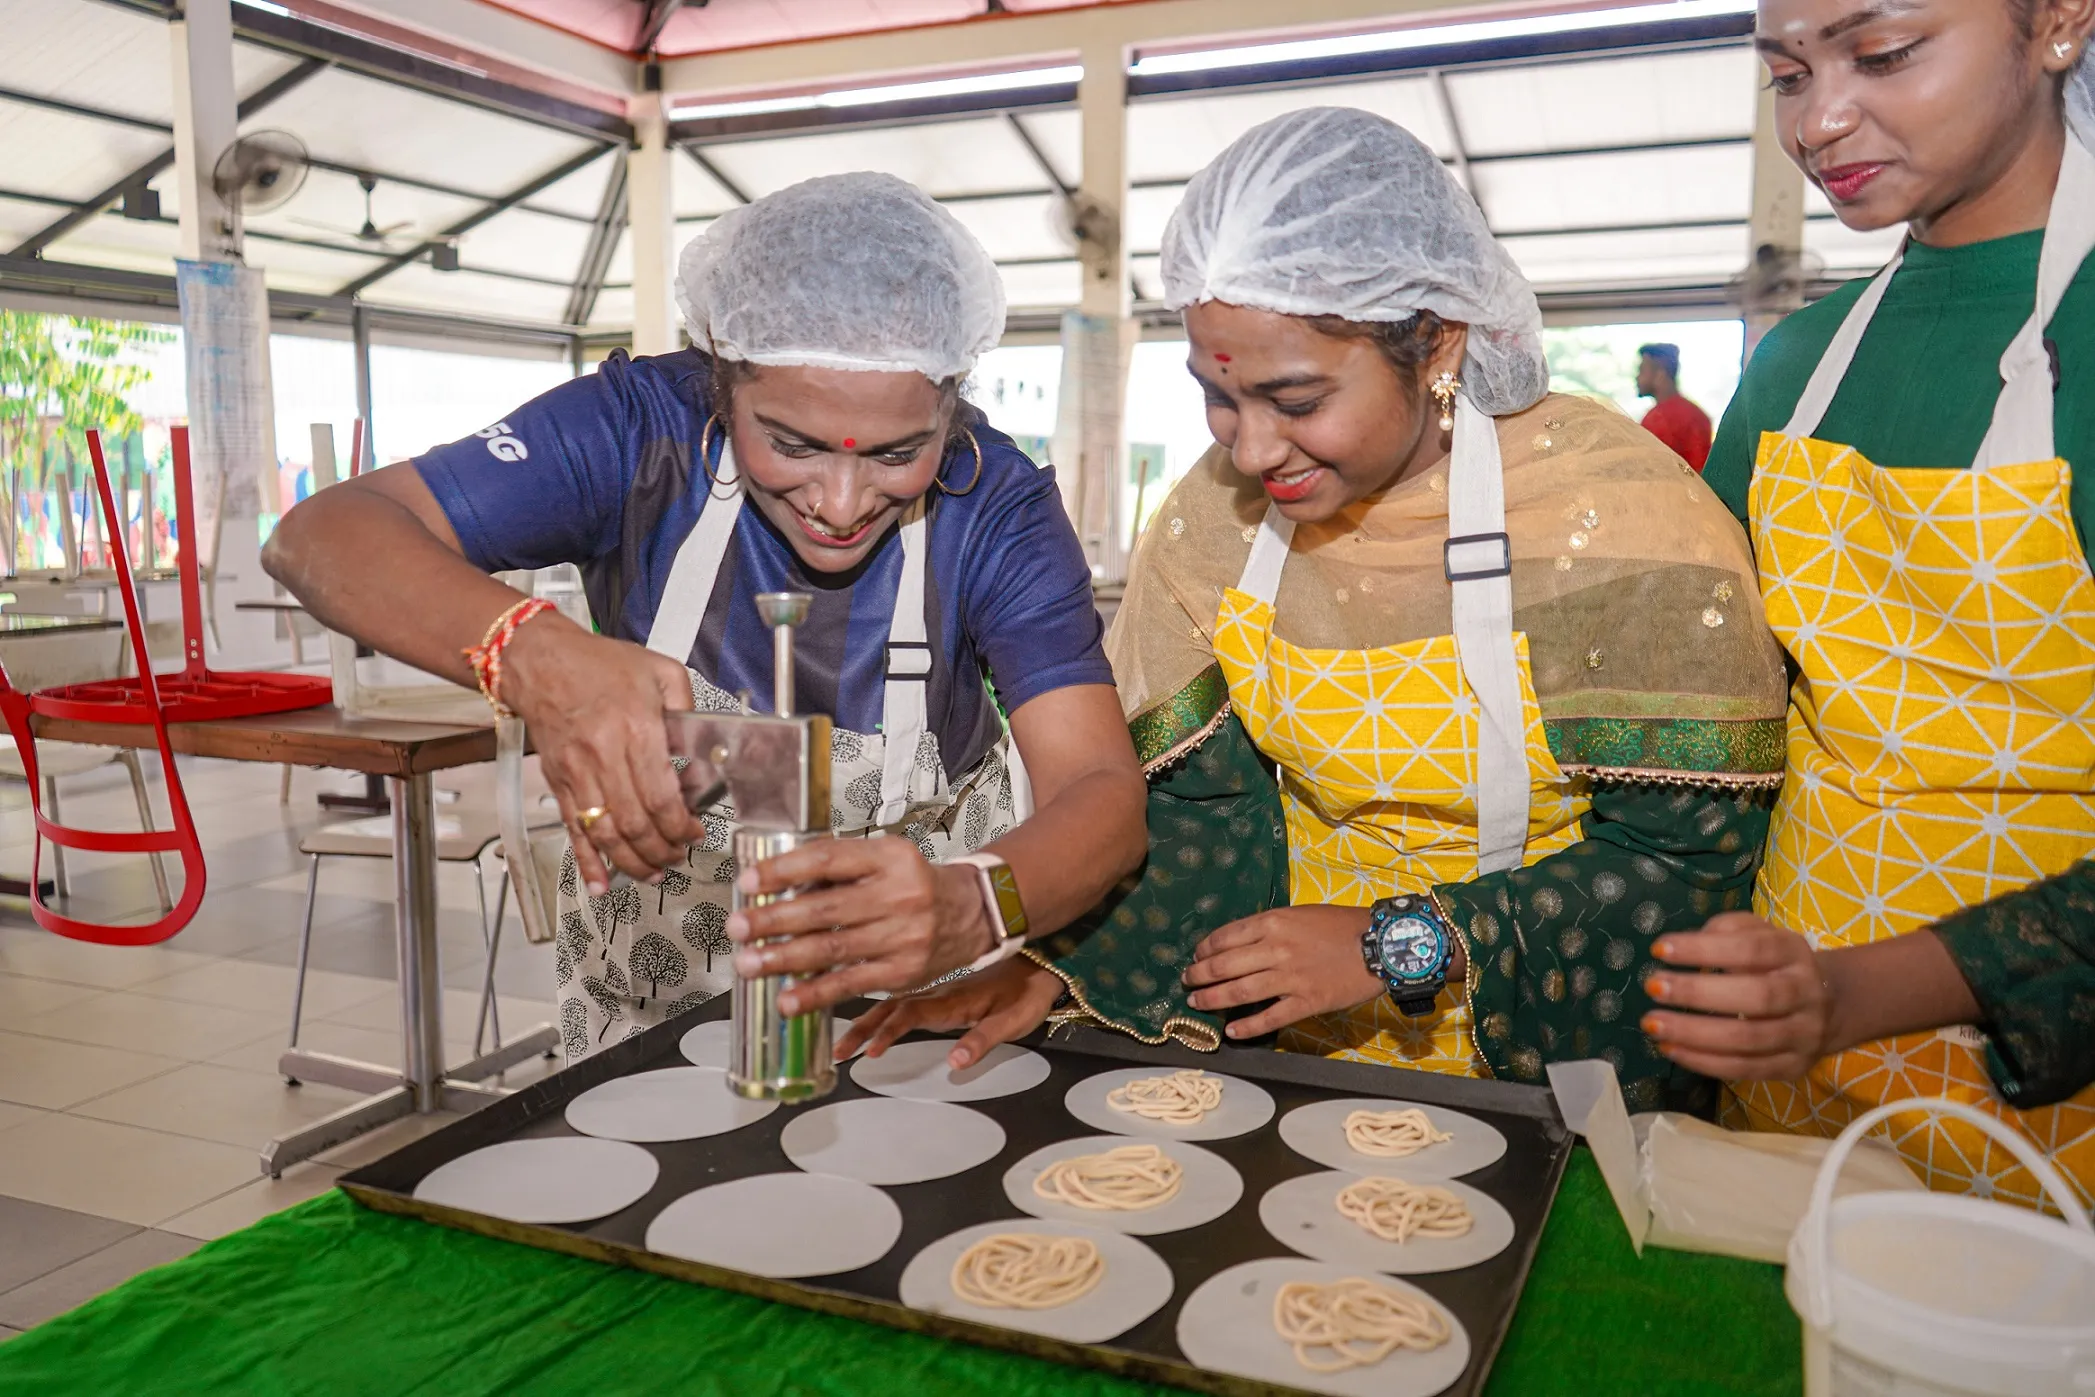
(1774, 284)
(206, 122)
(651, 214)
(1098, 340)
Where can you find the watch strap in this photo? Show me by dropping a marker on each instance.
(1000, 899)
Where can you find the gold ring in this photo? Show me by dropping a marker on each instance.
(586, 818)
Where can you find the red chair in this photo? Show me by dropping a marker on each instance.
(195, 694)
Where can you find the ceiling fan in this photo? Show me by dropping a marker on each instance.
(371, 232)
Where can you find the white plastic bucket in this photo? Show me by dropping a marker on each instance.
(1937, 1295)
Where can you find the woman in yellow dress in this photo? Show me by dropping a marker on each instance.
(1916, 460)
(1503, 648)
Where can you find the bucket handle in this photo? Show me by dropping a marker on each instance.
(1819, 1281)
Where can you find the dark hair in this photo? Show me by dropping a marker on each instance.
(724, 374)
(1666, 356)
(1407, 344)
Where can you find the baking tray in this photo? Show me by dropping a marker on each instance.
(1482, 1297)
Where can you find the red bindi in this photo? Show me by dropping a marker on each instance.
(850, 442)
(1222, 358)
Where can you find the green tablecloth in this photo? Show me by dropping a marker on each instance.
(330, 1298)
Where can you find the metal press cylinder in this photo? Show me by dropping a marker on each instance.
(776, 1057)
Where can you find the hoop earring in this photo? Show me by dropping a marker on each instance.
(1444, 389)
(941, 480)
(705, 458)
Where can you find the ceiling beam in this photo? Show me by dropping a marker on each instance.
(610, 224)
(501, 34)
(471, 221)
(715, 173)
(393, 64)
(116, 287)
(32, 99)
(653, 21)
(995, 39)
(50, 233)
(1047, 166)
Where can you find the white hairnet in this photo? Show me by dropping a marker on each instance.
(1333, 211)
(2080, 100)
(858, 271)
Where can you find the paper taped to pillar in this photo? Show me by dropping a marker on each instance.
(1096, 350)
(232, 427)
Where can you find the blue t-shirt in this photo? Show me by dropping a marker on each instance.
(602, 472)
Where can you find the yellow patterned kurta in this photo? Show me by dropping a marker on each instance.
(1941, 752)
(1377, 750)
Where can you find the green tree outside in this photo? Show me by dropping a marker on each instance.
(60, 375)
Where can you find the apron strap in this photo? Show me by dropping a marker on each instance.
(2022, 414)
(1269, 554)
(1840, 352)
(904, 705)
(1478, 561)
(682, 609)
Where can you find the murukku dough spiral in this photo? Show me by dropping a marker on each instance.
(1127, 1179)
(1027, 1271)
(1397, 1211)
(1359, 1322)
(1392, 1134)
(1177, 1098)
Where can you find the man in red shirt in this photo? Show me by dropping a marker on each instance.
(1673, 419)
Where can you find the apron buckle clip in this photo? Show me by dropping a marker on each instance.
(908, 666)
(1478, 569)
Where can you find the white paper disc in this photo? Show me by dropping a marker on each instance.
(1302, 1214)
(1318, 1132)
(891, 1142)
(676, 1103)
(1245, 1107)
(1135, 1285)
(780, 1225)
(1209, 1187)
(712, 1042)
(1227, 1325)
(918, 1071)
(561, 1180)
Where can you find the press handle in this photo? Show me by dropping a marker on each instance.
(783, 612)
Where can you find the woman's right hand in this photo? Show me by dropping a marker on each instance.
(594, 708)
(995, 1005)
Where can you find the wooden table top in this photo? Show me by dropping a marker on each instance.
(308, 737)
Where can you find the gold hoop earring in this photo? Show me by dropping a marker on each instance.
(1444, 389)
(941, 481)
(705, 457)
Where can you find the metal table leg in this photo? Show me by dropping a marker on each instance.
(422, 1086)
(415, 924)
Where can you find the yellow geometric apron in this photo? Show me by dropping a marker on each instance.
(1377, 750)
(1941, 736)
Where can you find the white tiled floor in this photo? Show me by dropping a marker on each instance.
(138, 1083)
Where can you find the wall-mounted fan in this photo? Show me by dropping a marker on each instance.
(257, 173)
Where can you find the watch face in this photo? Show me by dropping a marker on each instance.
(1411, 949)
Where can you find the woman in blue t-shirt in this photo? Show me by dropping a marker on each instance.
(833, 324)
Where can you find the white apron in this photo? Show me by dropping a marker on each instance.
(638, 955)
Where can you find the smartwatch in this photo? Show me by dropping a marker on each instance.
(1407, 946)
(1007, 915)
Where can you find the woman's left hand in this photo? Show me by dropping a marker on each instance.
(1306, 959)
(1766, 1014)
(876, 917)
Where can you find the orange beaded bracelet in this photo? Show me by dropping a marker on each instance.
(486, 657)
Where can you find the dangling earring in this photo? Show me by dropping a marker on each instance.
(1444, 389)
(705, 457)
(941, 481)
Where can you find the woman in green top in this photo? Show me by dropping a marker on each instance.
(1915, 459)
(1501, 645)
